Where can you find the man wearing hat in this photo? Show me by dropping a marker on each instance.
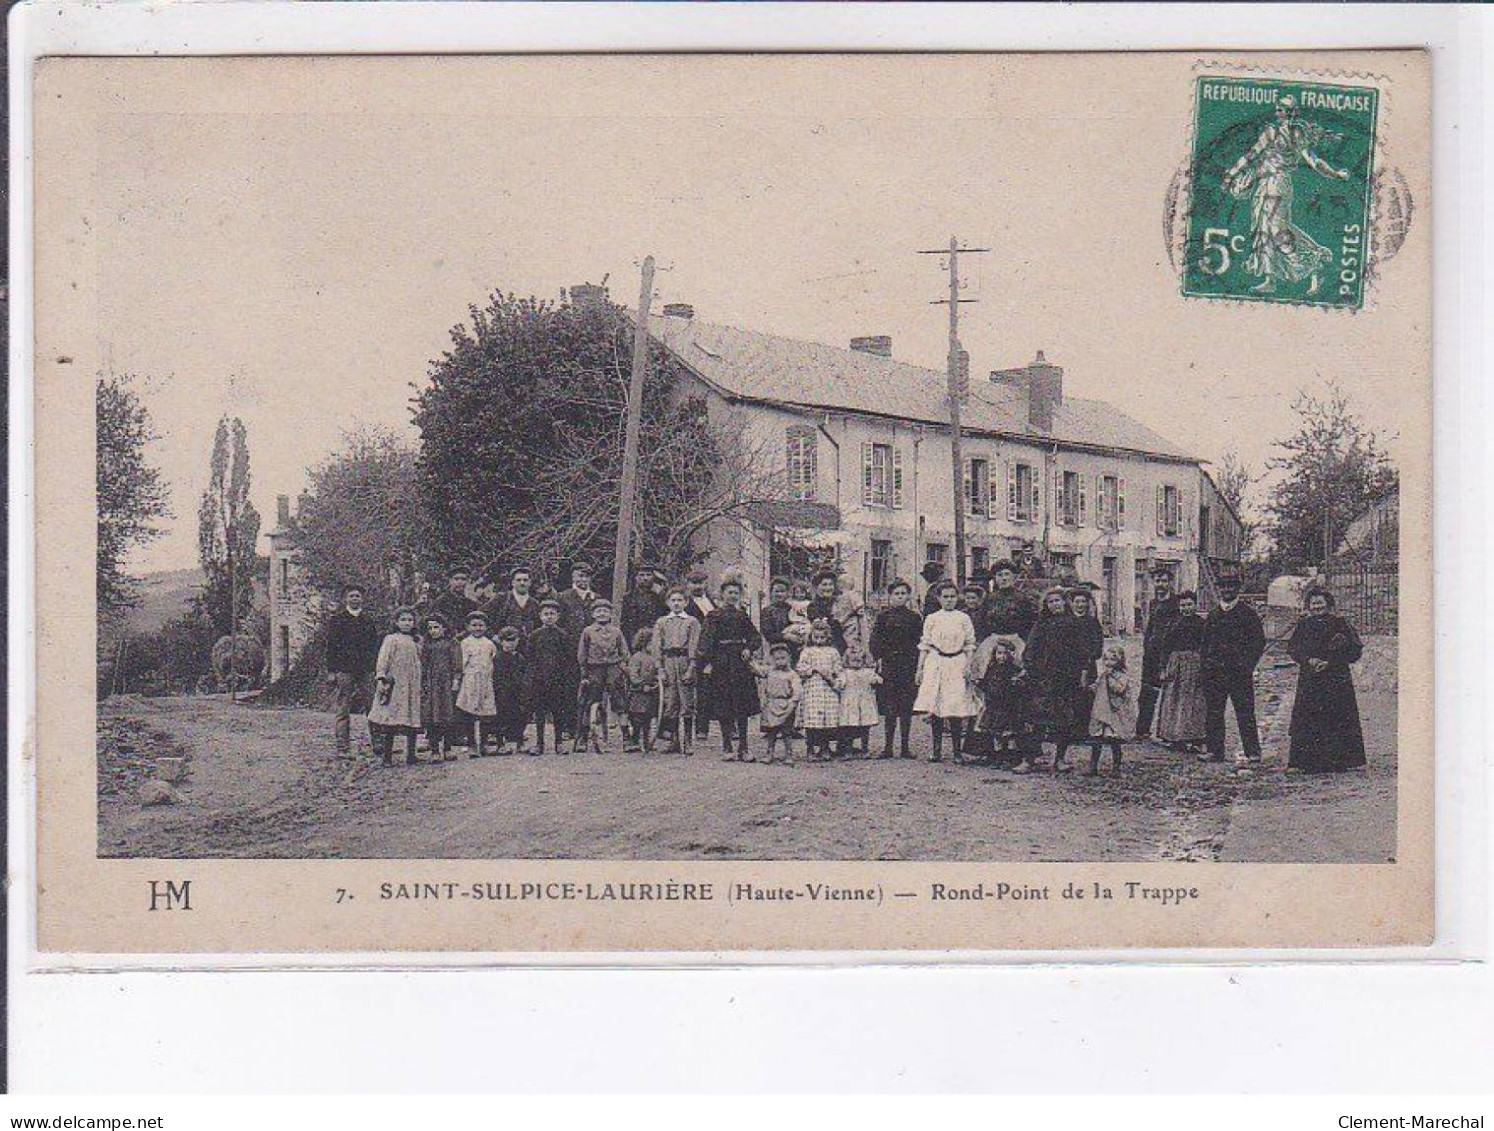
(644, 603)
(352, 652)
(1233, 642)
(933, 573)
(699, 605)
(455, 606)
(1160, 620)
(575, 615)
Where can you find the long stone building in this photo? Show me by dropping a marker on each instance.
(864, 444)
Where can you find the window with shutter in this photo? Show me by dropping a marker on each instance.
(968, 487)
(1083, 500)
(800, 446)
(866, 473)
(1161, 511)
(1057, 501)
(897, 477)
(1011, 492)
(1120, 504)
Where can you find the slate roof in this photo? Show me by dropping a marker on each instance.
(765, 368)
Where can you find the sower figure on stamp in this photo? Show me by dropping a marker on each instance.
(1233, 642)
(1279, 249)
(1162, 616)
(352, 650)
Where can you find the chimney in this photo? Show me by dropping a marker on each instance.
(679, 310)
(282, 511)
(588, 296)
(1041, 383)
(879, 345)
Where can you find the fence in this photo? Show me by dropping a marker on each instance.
(1368, 596)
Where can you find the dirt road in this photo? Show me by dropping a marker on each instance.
(262, 783)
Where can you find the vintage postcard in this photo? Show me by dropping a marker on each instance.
(739, 504)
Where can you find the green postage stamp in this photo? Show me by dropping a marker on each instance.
(1280, 191)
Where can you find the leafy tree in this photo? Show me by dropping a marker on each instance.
(361, 519)
(227, 530)
(1330, 470)
(522, 426)
(1235, 478)
(132, 498)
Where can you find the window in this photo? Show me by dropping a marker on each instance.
(978, 487)
(285, 647)
(1169, 511)
(936, 553)
(980, 559)
(1070, 498)
(800, 445)
(881, 475)
(285, 577)
(881, 565)
(1110, 496)
(1022, 501)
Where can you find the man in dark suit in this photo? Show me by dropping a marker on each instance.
(352, 652)
(1233, 642)
(700, 606)
(1163, 615)
(518, 608)
(455, 605)
(644, 604)
(575, 614)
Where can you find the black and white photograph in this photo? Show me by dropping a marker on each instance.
(736, 480)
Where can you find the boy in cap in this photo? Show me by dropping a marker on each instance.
(676, 647)
(601, 653)
(509, 691)
(551, 659)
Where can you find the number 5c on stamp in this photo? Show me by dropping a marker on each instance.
(1280, 181)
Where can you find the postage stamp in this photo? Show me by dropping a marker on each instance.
(1281, 190)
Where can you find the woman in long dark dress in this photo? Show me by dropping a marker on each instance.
(1060, 663)
(1181, 715)
(1326, 733)
(894, 646)
(728, 642)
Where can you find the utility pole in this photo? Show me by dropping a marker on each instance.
(958, 387)
(636, 380)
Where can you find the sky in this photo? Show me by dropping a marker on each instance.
(291, 241)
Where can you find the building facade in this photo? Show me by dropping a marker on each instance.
(865, 449)
(291, 599)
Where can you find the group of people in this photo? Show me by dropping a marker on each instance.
(997, 673)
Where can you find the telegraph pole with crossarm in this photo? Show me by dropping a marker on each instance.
(959, 383)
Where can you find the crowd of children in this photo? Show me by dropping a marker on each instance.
(994, 675)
